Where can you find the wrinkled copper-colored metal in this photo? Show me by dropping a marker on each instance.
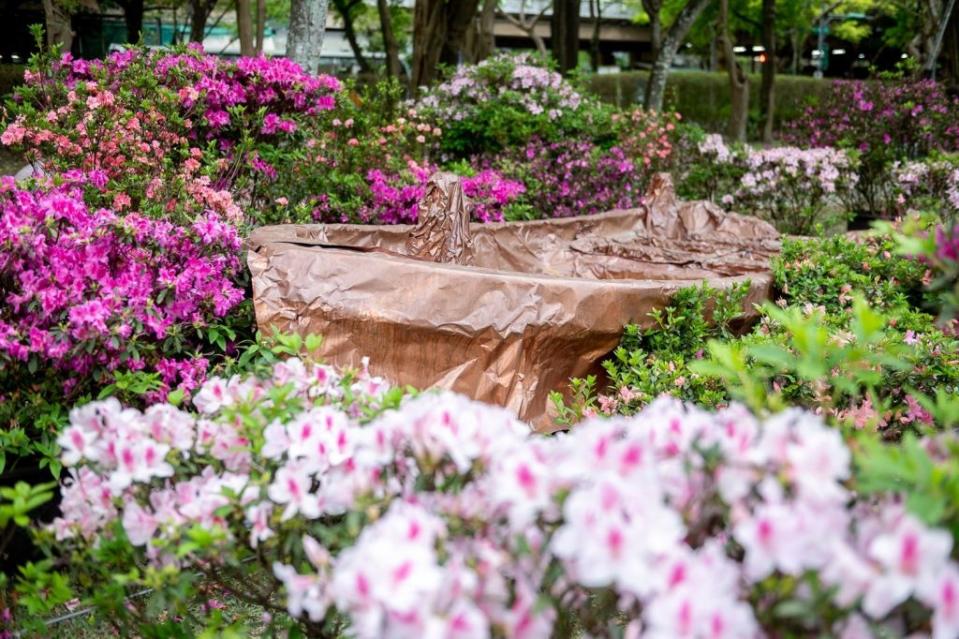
(541, 302)
(443, 231)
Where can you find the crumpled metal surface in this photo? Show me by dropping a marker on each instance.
(442, 233)
(541, 302)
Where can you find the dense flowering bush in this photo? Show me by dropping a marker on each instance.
(164, 130)
(89, 294)
(796, 189)
(928, 185)
(650, 138)
(446, 517)
(884, 122)
(394, 196)
(506, 100)
(565, 179)
(142, 119)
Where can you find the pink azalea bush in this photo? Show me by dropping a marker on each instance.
(566, 179)
(506, 100)
(157, 127)
(394, 196)
(931, 184)
(794, 188)
(89, 294)
(144, 118)
(440, 516)
(883, 122)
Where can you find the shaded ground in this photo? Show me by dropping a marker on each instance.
(10, 163)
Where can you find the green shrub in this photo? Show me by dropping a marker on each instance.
(851, 341)
(507, 100)
(702, 97)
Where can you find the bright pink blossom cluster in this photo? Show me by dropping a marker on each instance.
(89, 292)
(146, 120)
(570, 178)
(395, 196)
(461, 523)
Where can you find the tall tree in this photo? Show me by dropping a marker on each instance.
(738, 80)
(304, 43)
(564, 34)
(527, 24)
(260, 25)
(480, 38)
(348, 10)
(57, 23)
(244, 26)
(200, 13)
(767, 90)
(132, 18)
(665, 45)
(390, 43)
(596, 15)
(932, 55)
(439, 30)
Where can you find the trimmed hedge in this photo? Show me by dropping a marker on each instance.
(702, 97)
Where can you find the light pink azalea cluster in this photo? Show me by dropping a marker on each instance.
(932, 184)
(461, 523)
(791, 186)
(519, 80)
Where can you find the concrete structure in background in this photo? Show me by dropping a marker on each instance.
(621, 40)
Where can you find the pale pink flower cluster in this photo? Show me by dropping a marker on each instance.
(927, 183)
(465, 524)
(792, 187)
(518, 80)
(713, 145)
(824, 168)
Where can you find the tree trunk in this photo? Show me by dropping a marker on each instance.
(596, 15)
(653, 9)
(304, 44)
(936, 45)
(244, 25)
(564, 33)
(795, 52)
(200, 12)
(714, 51)
(133, 18)
(393, 67)
(439, 29)
(345, 9)
(950, 66)
(429, 33)
(479, 41)
(669, 44)
(260, 25)
(767, 90)
(57, 22)
(460, 18)
(738, 81)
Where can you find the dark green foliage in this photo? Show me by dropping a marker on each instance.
(702, 97)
